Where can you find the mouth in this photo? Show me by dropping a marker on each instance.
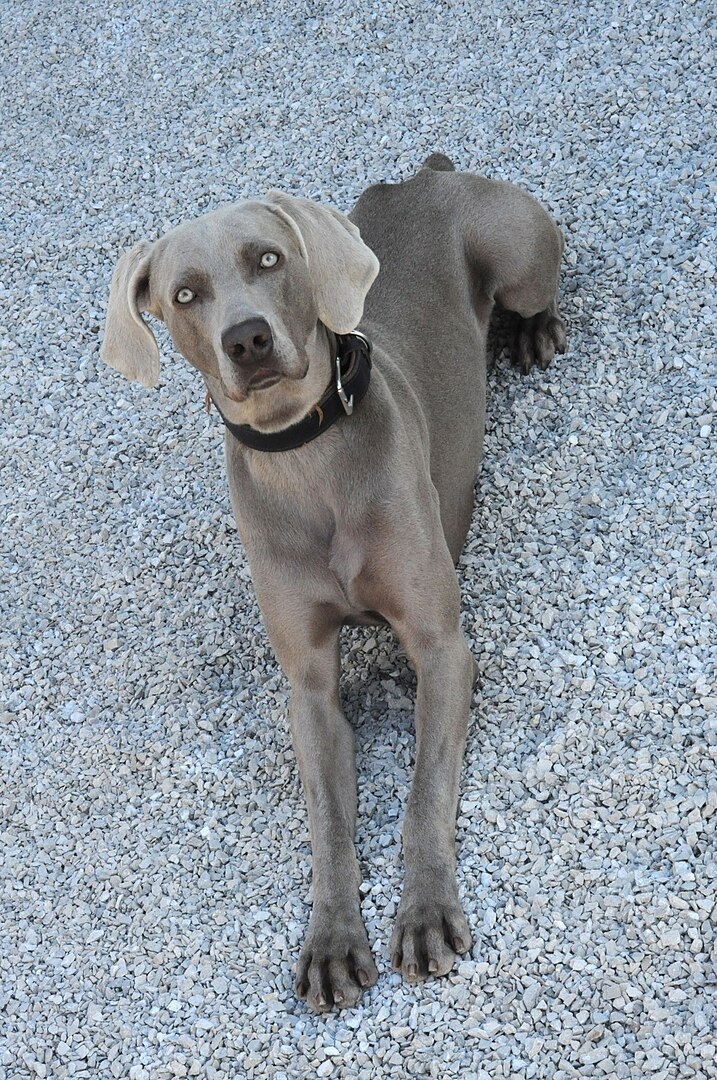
(262, 380)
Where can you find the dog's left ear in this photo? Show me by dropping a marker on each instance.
(342, 267)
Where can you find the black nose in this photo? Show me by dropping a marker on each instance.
(248, 343)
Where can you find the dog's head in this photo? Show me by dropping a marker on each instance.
(245, 293)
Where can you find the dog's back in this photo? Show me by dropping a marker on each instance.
(422, 317)
(424, 293)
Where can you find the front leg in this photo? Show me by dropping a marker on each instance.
(430, 926)
(335, 963)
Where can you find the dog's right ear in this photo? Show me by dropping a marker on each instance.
(129, 344)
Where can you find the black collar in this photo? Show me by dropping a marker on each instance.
(352, 372)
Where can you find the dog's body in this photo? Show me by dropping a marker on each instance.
(365, 522)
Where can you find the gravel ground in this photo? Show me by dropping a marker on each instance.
(154, 853)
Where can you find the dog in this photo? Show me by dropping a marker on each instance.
(354, 405)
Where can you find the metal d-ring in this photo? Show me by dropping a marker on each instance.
(347, 402)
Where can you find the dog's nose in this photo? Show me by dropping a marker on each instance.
(248, 343)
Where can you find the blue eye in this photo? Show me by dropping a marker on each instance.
(269, 259)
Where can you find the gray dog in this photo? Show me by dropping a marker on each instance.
(351, 460)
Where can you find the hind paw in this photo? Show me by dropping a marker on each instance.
(537, 340)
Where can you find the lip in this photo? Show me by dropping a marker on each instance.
(263, 380)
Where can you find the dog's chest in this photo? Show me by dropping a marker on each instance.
(357, 562)
(323, 527)
(345, 563)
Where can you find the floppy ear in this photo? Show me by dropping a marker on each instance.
(342, 267)
(129, 344)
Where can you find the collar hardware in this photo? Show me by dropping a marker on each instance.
(348, 403)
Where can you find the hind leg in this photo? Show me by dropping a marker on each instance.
(533, 299)
(515, 249)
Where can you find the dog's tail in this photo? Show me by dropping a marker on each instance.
(439, 163)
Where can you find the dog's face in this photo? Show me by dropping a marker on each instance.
(245, 293)
(237, 298)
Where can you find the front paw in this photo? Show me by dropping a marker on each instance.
(335, 964)
(429, 931)
(538, 339)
